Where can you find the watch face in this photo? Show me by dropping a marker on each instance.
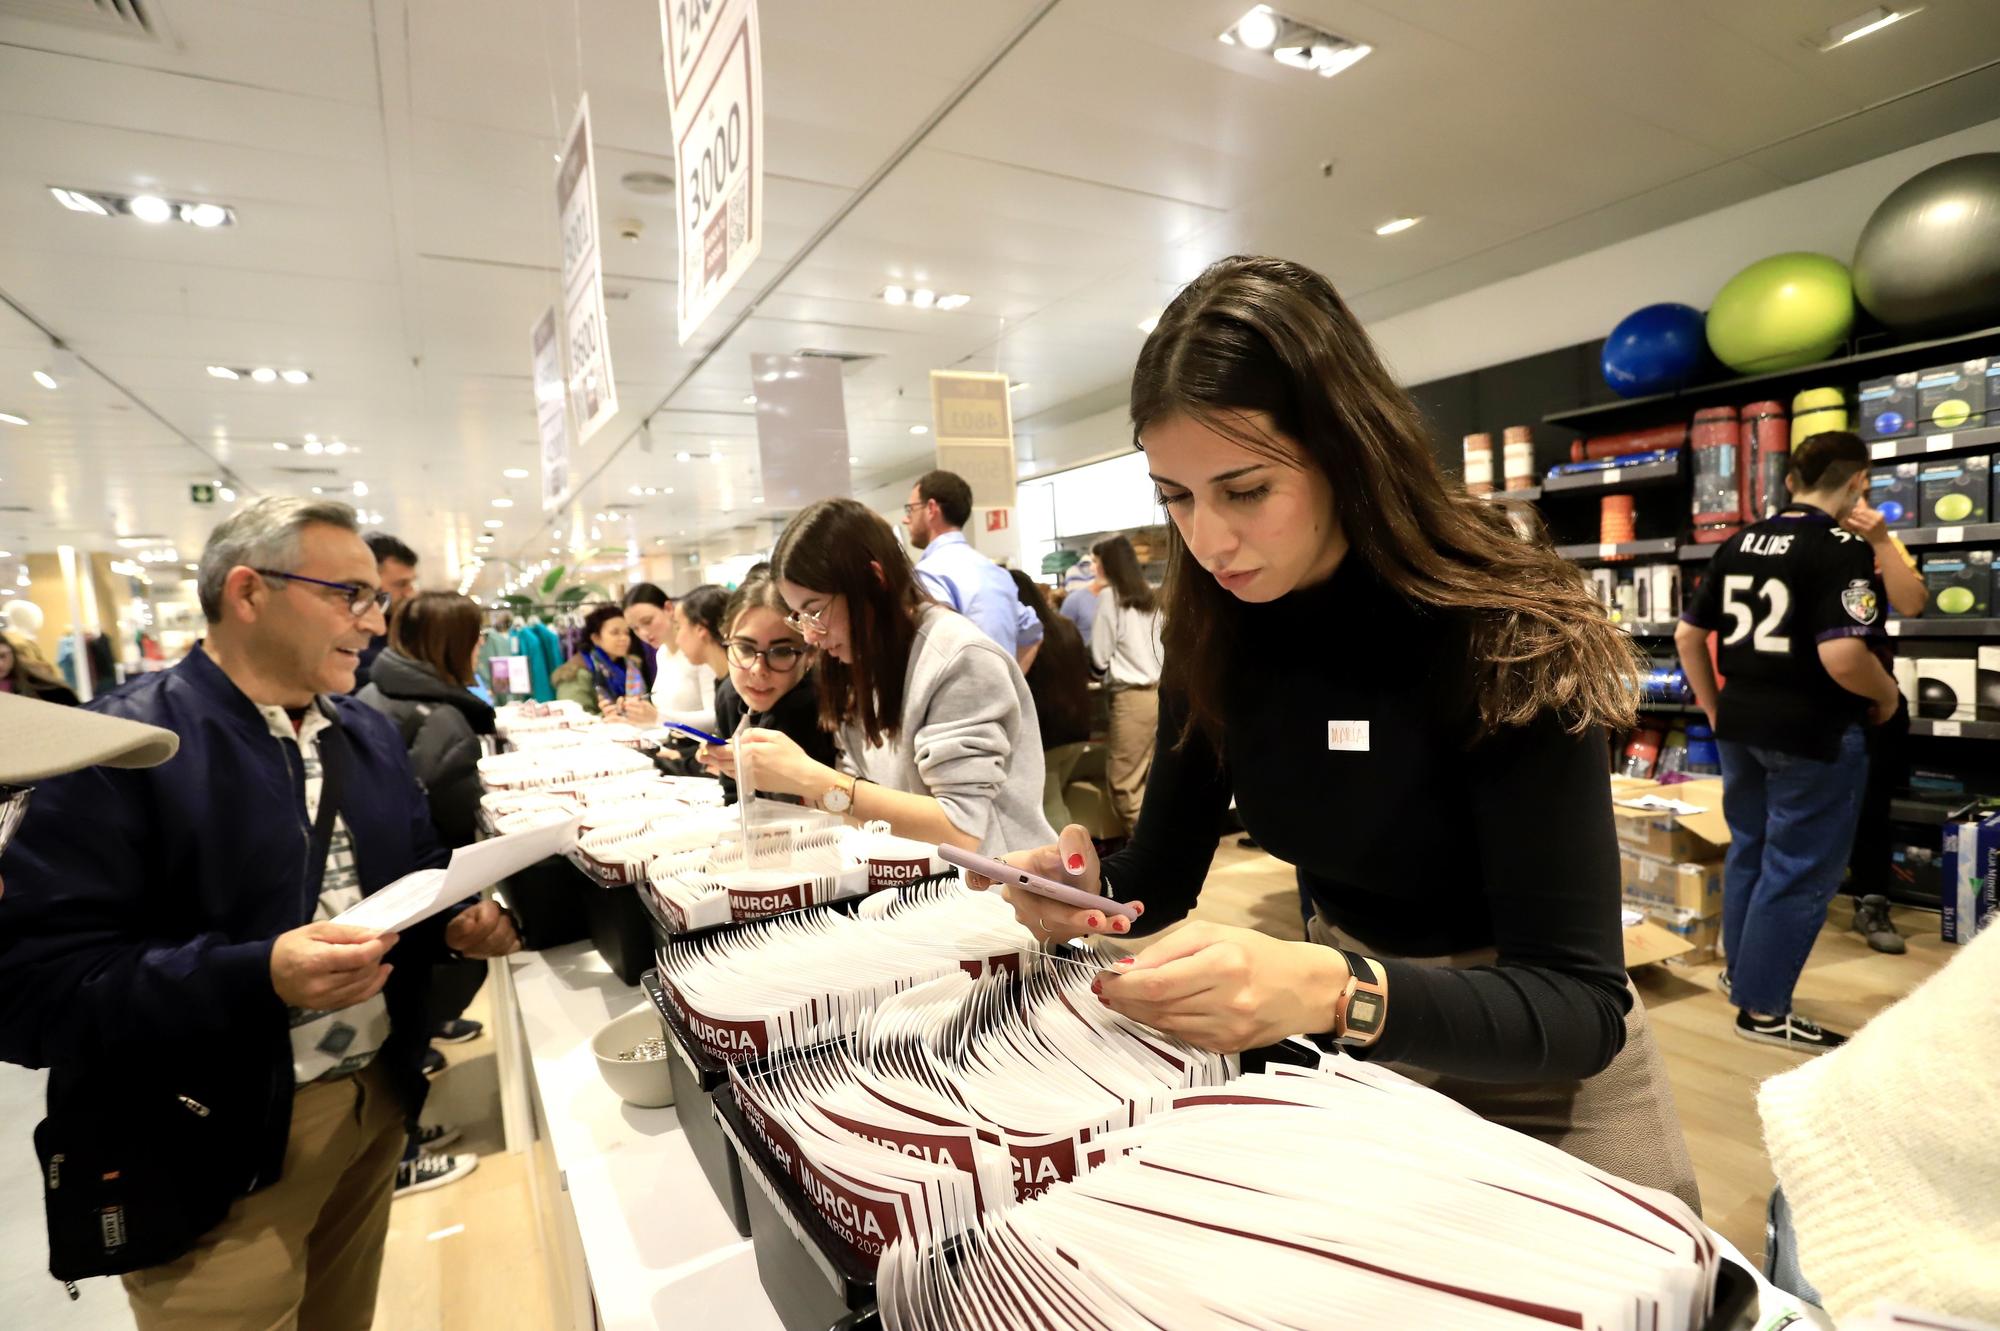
(1364, 1012)
(836, 800)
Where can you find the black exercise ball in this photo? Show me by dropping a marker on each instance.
(1936, 700)
(1930, 254)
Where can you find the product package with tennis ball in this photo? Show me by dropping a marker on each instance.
(1957, 491)
(1960, 583)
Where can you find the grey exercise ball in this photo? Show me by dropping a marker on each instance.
(1930, 255)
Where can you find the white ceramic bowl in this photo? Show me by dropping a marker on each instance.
(643, 1084)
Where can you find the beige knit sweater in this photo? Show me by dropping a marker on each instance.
(1888, 1149)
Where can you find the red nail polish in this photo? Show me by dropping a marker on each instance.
(1120, 925)
(1138, 908)
(1123, 961)
(1076, 864)
(1093, 921)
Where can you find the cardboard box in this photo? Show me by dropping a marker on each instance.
(1956, 491)
(1971, 846)
(1700, 935)
(1687, 828)
(1947, 689)
(1951, 397)
(1647, 942)
(1660, 883)
(1897, 493)
(1960, 583)
(1888, 407)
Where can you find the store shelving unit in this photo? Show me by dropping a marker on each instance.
(1983, 440)
(1943, 628)
(1597, 553)
(1615, 480)
(1955, 729)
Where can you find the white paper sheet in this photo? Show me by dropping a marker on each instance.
(416, 897)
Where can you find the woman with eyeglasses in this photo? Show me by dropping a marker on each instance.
(936, 725)
(769, 684)
(1406, 701)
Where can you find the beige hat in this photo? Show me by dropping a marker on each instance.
(39, 739)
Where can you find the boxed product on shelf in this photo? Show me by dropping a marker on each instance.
(1950, 397)
(1663, 591)
(1956, 491)
(1696, 888)
(1702, 933)
(1986, 683)
(1905, 671)
(1947, 689)
(1960, 583)
(1816, 411)
(1888, 407)
(1916, 868)
(1677, 823)
(1896, 492)
(1967, 875)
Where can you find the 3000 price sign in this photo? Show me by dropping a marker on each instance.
(721, 156)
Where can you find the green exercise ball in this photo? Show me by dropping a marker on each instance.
(1782, 312)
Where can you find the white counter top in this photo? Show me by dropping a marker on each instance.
(660, 1248)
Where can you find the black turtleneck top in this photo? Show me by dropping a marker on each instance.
(1349, 746)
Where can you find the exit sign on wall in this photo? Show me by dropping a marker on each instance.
(202, 494)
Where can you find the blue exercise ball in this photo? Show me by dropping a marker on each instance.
(1653, 350)
(1930, 254)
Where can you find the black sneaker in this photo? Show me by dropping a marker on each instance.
(1788, 1032)
(457, 1031)
(1722, 983)
(435, 1136)
(1871, 921)
(433, 1171)
(433, 1062)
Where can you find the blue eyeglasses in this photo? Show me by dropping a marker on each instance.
(360, 598)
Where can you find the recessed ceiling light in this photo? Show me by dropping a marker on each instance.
(683, 457)
(315, 447)
(923, 298)
(1396, 224)
(1293, 43)
(853, 461)
(895, 295)
(516, 473)
(336, 448)
(79, 202)
(361, 489)
(494, 524)
(45, 379)
(954, 301)
(264, 374)
(281, 446)
(1256, 29)
(750, 400)
(503, 503)
(225, 494)
(715, 457)
(204, 215)
(150, 208)
(920, 429)
(9, 418)
(222, 372)
(296, 377)
(1861, 25)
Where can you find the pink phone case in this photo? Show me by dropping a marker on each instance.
(1011, 876)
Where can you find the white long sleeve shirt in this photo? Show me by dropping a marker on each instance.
(1125, 643)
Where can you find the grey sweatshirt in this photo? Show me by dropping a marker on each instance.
(969, 737)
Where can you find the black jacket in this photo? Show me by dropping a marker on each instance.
(440, 723)
(796, 714)
(140, 910)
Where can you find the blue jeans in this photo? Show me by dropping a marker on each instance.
(1791, 825)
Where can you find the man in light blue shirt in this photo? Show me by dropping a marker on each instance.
(958, 575)
(1079, 605)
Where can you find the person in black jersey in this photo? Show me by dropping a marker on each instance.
(1798, 604)
(768, 662)
(1408, 701)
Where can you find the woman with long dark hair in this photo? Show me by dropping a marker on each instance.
(605, 675)
(25, 675)
(1125, 650)
(770, 680)
(935, 721)
(1059, 680)
(1408, 702)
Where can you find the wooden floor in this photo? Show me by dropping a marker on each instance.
(469, 1255)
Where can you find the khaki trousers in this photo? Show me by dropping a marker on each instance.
(305, 1254)
(1135, 718)
(1622, 1120)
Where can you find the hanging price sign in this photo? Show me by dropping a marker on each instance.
(587, 343)
(715, 86)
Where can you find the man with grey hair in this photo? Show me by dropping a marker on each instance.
(232, 1075)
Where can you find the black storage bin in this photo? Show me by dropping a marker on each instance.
(546, 902)
(620, 927)
(696, 1078)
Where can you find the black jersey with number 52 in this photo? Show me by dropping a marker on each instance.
(1773, 593)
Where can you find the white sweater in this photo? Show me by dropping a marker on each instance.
(684, 691)
(1125, 643)
(1888, 1149)
(970, 738)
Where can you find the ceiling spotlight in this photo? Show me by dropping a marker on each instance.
(222, 372)
(895, 295)
(920, 429)
(715, 457)
(314, 446)
(224, 493)
(150, 208)
(956, 300)
(853, 461)
(683, 457)
(1397, 224)
(1256, 29)
(750, 399)
(46, 380)
(503, 503)
(10, 418)
(361, 489)
(296, 377)
(264, 374)
(281, 446)
(204, 215)
(516, 473)
(79, 202)
(635, 490)
(923, 298)
(756, 499)
(1861, 25)
(336, 448)
(493, 524)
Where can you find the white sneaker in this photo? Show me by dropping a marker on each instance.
(432, 1170)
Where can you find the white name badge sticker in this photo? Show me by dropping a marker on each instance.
(1347, 736)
